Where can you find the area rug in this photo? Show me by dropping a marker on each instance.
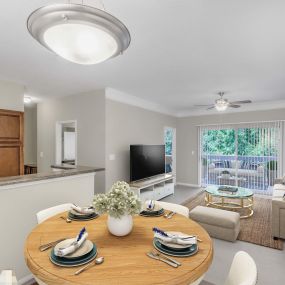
(256, 229)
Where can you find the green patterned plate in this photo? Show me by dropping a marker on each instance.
(82, 218)
(146, 214)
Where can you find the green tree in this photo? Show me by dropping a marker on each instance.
(251, 142)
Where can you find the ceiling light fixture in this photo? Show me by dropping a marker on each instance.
(27, 99)
(221, 104)
(79, 33)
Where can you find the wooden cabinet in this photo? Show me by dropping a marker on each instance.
(11, 143)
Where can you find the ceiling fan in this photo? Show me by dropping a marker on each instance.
(222, 104)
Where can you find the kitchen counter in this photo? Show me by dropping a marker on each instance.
(57, 171)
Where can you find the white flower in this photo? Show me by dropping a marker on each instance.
(119, 201)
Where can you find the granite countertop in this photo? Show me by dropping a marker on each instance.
(59, 171)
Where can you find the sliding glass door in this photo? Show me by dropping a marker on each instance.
(247, 155)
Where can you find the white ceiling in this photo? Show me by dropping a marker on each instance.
(182, 52)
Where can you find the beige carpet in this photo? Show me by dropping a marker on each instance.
(256, 229)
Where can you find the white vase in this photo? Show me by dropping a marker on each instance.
(120, 227)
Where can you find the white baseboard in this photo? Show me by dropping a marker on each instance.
(27, 280)
(188, 184)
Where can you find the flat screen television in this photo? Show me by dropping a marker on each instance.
(146, 161)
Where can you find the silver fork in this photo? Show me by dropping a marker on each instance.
(149, 254)
(166, 257)
(50, 244)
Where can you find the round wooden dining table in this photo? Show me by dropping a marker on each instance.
(125, 259)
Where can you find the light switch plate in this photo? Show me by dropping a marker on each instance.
(112, 157)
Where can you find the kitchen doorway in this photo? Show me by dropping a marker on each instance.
(66, 143)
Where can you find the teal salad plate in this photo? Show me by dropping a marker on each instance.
(182, 252)
(62, 261)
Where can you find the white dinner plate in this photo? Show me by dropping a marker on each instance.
(84, 249)
(80, 214)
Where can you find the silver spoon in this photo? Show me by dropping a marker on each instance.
(66, 219)
(98, 261)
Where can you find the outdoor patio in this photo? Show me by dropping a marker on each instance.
(254, 172)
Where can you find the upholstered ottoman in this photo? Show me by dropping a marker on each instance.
(218, 223)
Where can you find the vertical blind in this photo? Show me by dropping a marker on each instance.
(247, 154)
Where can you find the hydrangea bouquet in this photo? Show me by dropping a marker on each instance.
(118, 202)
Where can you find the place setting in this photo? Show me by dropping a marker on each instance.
(169, 243)
(77, 213)
(73, 252)
(151, 209)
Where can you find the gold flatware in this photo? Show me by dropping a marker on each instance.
(167, 214)
(66, 219)
(171, 215)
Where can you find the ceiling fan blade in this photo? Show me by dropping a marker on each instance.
(241, 102)
(210, 108)
(234, 106)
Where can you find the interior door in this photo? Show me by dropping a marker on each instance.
(11, 143)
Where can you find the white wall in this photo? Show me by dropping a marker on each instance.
(89, 112)
(11, 96)
(30, 134)
(126, 125)
(187, 137)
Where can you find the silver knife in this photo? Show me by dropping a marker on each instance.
(162, 259)
(166, 257)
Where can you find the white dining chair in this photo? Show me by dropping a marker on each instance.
(49, 212)
(8, 277)
(179, 209)
(243, 271)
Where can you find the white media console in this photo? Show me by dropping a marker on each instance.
(154, 188)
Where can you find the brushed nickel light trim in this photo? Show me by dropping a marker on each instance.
(58, 28)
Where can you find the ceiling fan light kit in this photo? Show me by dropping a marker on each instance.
(79, 33)
(221, 104)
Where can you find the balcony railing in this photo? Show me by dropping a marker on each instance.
(253, 172)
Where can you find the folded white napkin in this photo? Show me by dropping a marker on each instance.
(82, 210)
(72, 247)
(150, 204)
(176, 239)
